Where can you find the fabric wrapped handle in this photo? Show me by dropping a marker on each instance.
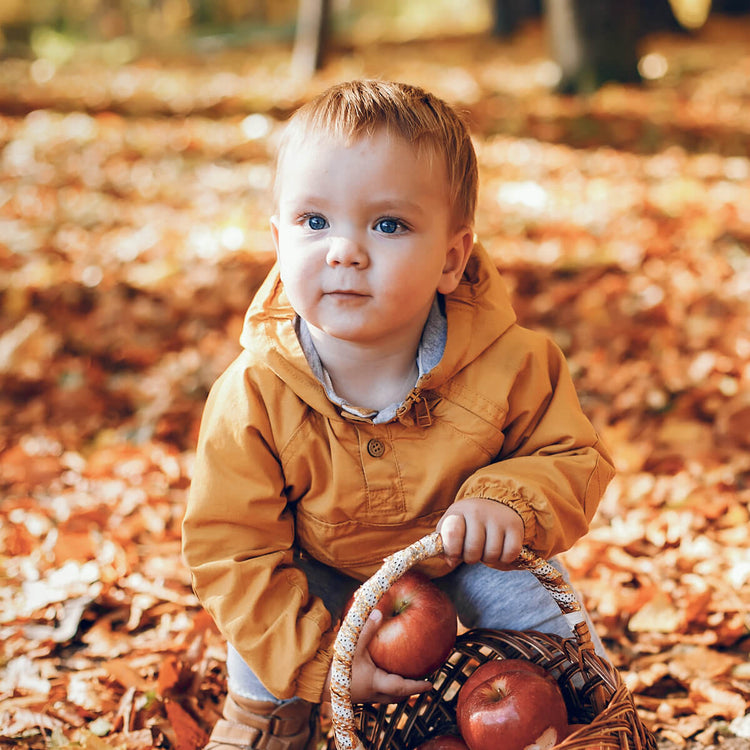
(372, 590)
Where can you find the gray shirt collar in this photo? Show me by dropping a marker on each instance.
(429, 353)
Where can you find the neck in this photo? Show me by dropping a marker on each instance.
(370, 376)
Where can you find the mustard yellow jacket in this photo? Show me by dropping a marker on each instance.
(279, 466)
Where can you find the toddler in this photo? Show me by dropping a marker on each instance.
(384, 390)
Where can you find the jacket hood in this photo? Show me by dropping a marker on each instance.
(478, 313)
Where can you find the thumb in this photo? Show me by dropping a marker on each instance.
(452, 528)
(371, 626)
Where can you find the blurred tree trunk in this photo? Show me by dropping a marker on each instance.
(593, 41)
(734, 7)
(311, 36)
(507, 15)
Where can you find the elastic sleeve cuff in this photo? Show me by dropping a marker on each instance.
(312, 676)
(527, 516)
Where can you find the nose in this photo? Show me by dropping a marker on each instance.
(346, 251)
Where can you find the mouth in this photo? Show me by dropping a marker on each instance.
(345, 293)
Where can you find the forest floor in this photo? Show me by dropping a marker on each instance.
(133, 233)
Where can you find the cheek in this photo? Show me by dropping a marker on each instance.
(290, 276)
(300, 281)
(293, 263)
(414, 279)
(293, 284)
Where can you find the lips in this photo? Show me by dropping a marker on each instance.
(346, 293)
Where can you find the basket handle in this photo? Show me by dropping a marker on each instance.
(372, 590)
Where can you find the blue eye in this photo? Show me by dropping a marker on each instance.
(316, 223)
(389, 226)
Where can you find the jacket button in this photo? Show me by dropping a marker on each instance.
(375, 447)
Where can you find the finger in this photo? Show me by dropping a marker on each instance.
(493, 545)
(512, 544)
(394, 686)
(452, 528)
(474, 543)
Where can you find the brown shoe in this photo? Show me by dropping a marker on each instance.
(262, 725)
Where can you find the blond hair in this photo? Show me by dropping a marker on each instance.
(359, 108)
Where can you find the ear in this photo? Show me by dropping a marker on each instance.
(275, 233)
(456, 258)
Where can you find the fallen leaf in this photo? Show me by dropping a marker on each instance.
(720, 701)
(189, 735)
(658, 615)
(21, 720)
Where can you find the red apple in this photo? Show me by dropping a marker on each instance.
(516, 711)
(493, 668)
(443, 742)
(418, 629)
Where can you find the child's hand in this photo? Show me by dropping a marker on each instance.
(475, 529)
(370, 684)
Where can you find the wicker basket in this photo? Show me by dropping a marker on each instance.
(593, 690)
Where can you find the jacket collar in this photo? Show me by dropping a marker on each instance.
(479, 311)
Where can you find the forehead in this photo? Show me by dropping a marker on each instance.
(305, 148)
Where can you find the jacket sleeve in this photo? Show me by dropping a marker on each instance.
(238, 534)
(553, 468)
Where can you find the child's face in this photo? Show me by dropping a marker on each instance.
(364, 237)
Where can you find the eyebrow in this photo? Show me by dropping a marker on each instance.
(386, 205)
(377, 205)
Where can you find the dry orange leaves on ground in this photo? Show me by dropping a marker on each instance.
(133, 231)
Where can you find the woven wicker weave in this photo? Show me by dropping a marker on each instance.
(593, 690)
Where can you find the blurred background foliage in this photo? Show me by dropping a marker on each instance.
(177, 23)
(591, 41)
(137, 142)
